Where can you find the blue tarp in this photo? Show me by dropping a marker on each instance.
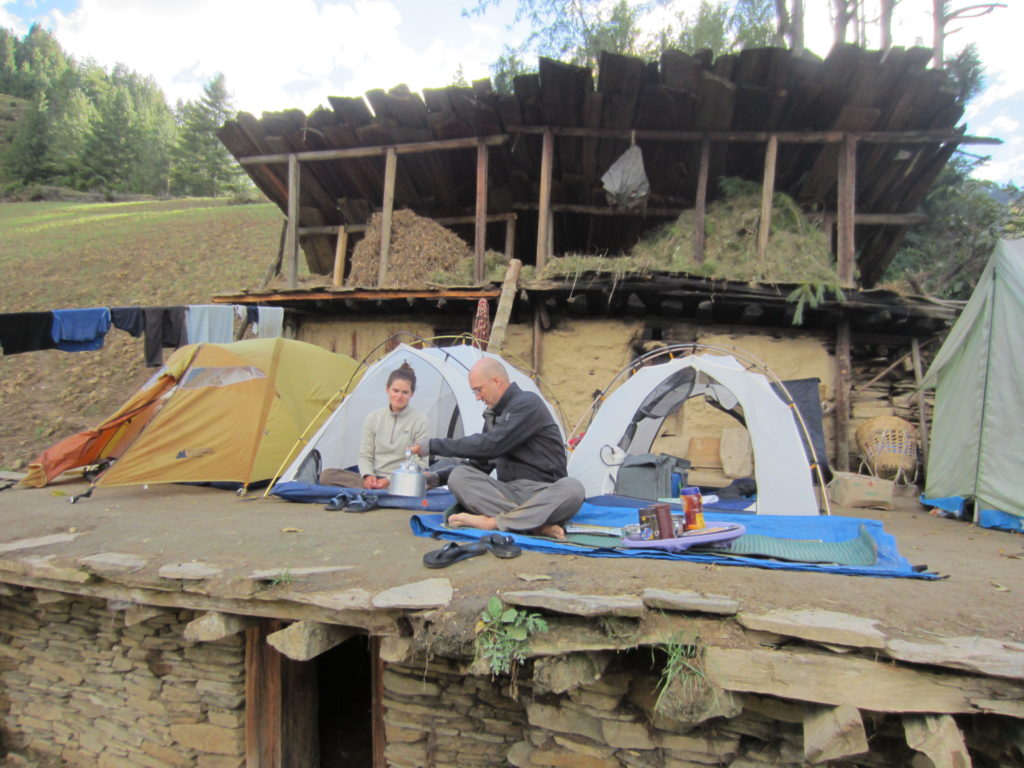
(616, 511)
(987, 518)
(437, 499)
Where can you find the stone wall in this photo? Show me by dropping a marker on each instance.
(78, 684)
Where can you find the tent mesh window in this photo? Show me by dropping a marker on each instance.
(889, 447)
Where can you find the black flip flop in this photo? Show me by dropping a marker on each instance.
(502, 546)
(453, 552)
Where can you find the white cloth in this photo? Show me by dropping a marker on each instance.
(210, 323)
(269, 322)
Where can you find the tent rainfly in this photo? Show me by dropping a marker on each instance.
(978, 375)
(214, 413)
(630, 419)
(442, 395)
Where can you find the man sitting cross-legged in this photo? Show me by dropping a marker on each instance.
(520, 439)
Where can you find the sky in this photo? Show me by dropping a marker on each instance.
(278, 54)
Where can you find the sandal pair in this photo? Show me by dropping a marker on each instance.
(502, 546)
(360, 502)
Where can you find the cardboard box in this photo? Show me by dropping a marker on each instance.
(849, 489)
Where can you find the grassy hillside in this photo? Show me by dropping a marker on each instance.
(67, 255)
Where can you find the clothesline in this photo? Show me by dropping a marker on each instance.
(80, 330)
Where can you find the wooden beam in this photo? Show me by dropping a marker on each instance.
(603, 210)
(305, 640)
(292, 237)
(480, 225)
(842, 396)
(845, 247)
(922, 414)
(504, 310)
(340, 251)
(214, 626)
(759, 137)
(764, 227)
(446, 221)
(388, 206)
(378, 734)
(544, 201)
(263, 748)
(376, 151)
(701, 201)
(832, 733)
(510, 237)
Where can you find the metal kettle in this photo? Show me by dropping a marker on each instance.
(408, 479)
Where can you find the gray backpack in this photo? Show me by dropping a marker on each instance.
(649, 475)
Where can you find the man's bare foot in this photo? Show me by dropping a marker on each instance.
(551, 531)
(466, 520)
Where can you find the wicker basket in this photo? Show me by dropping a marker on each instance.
(889, 447)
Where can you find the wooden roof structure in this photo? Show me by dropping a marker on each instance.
(859, 136)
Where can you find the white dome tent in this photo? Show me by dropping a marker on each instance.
(629, 420)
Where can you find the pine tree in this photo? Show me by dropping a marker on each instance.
(202, 164)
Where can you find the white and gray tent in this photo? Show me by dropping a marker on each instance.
(977, 440)
(442, 395)
(629, 420)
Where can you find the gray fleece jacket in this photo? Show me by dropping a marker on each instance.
(386, 435)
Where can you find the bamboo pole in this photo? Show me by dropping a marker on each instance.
(292, 238)
(340, 251)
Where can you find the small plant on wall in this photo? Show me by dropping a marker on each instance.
(502, 638)
(683, 689)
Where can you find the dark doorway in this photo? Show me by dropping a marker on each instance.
(345, 685)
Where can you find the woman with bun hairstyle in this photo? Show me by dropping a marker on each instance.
(387, 432)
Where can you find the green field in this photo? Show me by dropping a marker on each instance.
(56, 255)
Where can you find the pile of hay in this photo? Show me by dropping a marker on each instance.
(419, 248)
(798, 251)
(495, 265)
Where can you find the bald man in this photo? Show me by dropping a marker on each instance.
(532, 493)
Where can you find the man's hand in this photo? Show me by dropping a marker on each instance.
(414, 449)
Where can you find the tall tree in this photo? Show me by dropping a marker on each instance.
(790, 24)
(943, 14)
(202, 165)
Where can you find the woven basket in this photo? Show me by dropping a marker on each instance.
(889, 447)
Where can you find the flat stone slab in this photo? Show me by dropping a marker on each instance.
(338, 600)
(429, 593)
(975, 654)
(39, 541)
(274, 573)
(113, 561)
(43, 566)
(576, 605)
(691, 602)
(818, 626)
(189, 571)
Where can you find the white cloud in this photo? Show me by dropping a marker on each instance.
(10, 21)
(275, 54)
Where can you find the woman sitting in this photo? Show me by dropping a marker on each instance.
(386, 435)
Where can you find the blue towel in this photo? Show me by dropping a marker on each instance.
(80, 330)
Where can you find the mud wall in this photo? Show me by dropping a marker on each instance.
(79, 686)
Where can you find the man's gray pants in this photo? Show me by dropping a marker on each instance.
(517, 505)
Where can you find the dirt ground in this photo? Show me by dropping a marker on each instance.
(981, 594)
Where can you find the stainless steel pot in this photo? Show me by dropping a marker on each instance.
(408, 479)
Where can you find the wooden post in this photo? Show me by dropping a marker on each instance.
(538, 331)
(701, 200)
(292, 238)
(846, 197)
(504, 310)
(377, 704)
(544, 203)
(480, 226)
(340, 252)
(767, 195)
(915, 354)
(510, 237)
(388, 207)
(842, 397)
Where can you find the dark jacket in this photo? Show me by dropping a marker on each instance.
(520, 440)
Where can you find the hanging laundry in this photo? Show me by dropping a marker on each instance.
(128, 319)
(271, 322)
(80, 330)
(210, 323)
(26, 332)
(165, 327)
